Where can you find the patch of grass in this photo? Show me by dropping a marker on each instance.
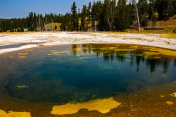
(169, 35)
(150, 31)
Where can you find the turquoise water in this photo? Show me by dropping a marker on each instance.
(79, 73)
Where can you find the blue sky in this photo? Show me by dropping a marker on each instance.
(21, 8)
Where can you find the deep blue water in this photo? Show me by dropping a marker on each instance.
(78, 73)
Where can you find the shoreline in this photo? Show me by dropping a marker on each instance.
(42, 39)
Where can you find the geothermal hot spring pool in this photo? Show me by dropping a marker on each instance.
(73, 74)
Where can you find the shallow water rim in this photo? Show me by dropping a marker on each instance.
(103, 43)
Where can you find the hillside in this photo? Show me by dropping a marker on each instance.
(168, 25)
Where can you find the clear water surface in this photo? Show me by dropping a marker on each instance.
(79, 73)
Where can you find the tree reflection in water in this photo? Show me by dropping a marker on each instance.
(122, 52)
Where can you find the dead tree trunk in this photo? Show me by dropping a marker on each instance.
(137, 14)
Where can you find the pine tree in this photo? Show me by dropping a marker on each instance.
(162, 6)
(66, 23)
(171, 8)
(74, 20)
(113, 7)
(89, 12)
(143, 12)
(98, 15)
(93, 14)
(83, 18)
(151, 10)
(107, 15)
(174, 6)
(122, 16)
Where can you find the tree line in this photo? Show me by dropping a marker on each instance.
(107, 15)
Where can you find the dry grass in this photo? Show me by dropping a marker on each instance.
(171, 23)
(169, 35)
(81, 32)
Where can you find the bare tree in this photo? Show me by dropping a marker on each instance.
(137, 14)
